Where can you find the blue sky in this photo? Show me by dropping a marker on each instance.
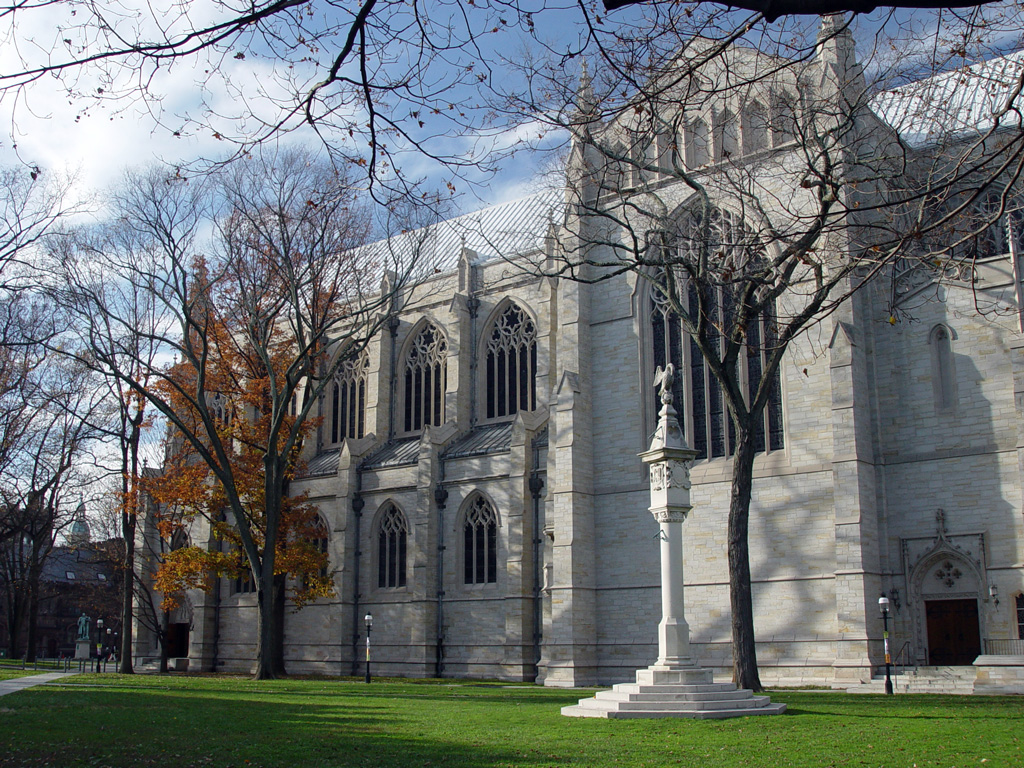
(195, 102)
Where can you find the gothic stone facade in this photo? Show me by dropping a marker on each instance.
(478, 480)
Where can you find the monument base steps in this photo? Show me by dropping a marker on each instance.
(660, 692)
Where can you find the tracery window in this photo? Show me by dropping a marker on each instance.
(480, 543)
(319, 540)
(697, 394)
(511, 366)
(347, 401)
(425, 380)
(755, 127)
(726, 135)
(392, 539)
(698, 144)
(220, 409)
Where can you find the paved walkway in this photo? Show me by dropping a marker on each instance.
(21, 683)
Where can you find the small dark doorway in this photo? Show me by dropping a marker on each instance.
(177, 641)
(954, 638)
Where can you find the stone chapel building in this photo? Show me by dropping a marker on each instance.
(477, 476)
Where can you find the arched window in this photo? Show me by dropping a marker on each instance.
(985, 228)
(425, 380)
(320, 539)
(755, 127)
(392, 538)
(783, 120)
(698, 144)
(726, 135)
(220, 409)
(347, 401)
(511, 373)
(698, 397)
(943, 369)
(480, 540)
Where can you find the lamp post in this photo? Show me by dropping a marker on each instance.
(883, 606)
(368, 621)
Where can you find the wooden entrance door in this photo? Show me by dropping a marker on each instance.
(177, 641)
(954, 638)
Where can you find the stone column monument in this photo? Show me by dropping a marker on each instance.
(674, 686)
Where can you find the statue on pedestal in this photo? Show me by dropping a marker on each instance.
(83, 627)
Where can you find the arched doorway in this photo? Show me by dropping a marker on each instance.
(946, 589)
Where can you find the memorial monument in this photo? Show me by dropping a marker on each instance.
(674, 686)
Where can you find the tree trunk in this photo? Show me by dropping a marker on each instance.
(33, 614)
(744, 653)
(265, 628)
(125, 666)
(165, 626)
(279, 614)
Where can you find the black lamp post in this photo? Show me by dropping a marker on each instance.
(368, 620)
(883, 606)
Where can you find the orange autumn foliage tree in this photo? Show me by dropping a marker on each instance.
(257, 326)
(189, 489)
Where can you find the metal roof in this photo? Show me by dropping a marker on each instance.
(966, 100)
(494, 438)
(323, 464)
(501, 231)
(396, 454)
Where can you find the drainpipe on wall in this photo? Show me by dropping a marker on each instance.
(393, 325)
(536, 486)
(473, 304)
(357, 507)
(440, 498)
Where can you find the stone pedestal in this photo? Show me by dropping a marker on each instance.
(82, 649)
(674, 686)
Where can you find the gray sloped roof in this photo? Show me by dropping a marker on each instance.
(395, 454)
(493, 438)
(952, 104)
(503, 231)
(323, 464)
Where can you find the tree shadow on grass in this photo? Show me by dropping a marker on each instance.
(234, 727)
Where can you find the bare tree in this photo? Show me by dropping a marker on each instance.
(281, 298)
(47, 463)
(748, 186)
(31, 202)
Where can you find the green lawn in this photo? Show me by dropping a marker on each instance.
(6, 673)
(113, 720)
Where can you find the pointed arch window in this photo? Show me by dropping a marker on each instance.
(480, 543)
(392, 542)
(425, 380)
(698, 144)
(755, 127)
(346, 404)
(319, 538)
(700, 402)
(511, 366)
(220, 409)
(726, 135)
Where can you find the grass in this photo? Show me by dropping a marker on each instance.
(7, 673)
(187, 722)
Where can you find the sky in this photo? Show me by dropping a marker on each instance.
(80, 125)
(71, 126)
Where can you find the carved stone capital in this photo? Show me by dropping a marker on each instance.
(674, 515)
